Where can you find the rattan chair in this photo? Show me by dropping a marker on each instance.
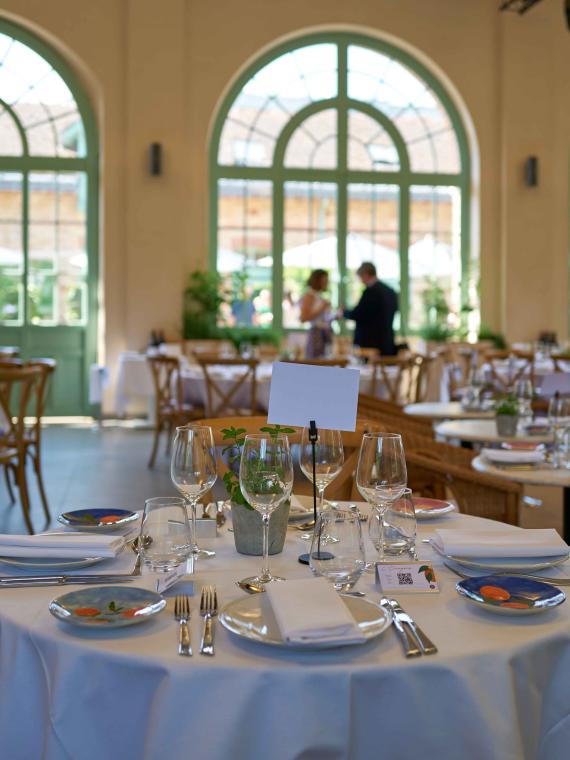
(376, 411)
(506, 383)
(394, 373)
(170, 409)
(222, 401)
(16, 392)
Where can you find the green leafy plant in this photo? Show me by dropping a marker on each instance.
(253, 335)
(485, 333)
(436, 310)
(508, 405)
(203, 298)
(236, 439)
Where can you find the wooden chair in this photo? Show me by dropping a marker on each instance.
(561, 362)
(368, 354)
(339, 362)
(505, 382)
(224, 401)
(419, 377)
(16, 389)
(191, 348)
(170, 409)
(9, 352)
(378, 411)
(395, 374)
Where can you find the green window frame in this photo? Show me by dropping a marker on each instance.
(405, 179)
(84, 165)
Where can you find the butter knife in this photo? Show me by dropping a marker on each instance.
(427, 645)
(21, 581)
(411, 648)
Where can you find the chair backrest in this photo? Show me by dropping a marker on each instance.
(165, 371)
(476, 493)
(46, 368)
(419, 377)
(9, 352)
(222, 393)
(190, 348)
(16, 389)
(561, 362)
(519, 365)
(379, 411)
(395, 374)
(338, 362)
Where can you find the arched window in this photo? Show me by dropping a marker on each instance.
(333, 150)
(48, 206)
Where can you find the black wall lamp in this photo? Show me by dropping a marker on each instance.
(531, 171)
(155, 159)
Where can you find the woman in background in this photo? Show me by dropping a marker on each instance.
(317, 311)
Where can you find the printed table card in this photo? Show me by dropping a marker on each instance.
(406, 577)
(300, 393)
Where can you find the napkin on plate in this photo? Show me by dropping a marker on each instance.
(309, 611)
(512, 542)
(506, 456)
(297, 509)
(61, 545)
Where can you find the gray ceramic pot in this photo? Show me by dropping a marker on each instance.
(507, 424)
(248, 529)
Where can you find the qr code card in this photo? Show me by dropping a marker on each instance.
(405, 577)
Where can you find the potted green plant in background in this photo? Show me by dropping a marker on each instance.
(507, 415)
(436, 326)
(203, 298)
(246, 521)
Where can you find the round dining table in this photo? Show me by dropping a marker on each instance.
(447, 410)
(498, 687)
(484, 431)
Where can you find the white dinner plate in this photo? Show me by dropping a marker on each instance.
(252, 618)
(520, 564)
(53, 563)
(429, 509)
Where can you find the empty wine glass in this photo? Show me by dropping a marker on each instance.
(398, 527)
(266, 481)
(329, 459)
(345, 565)
(193, 470)
(524, 392)
(381, 475)
(559, 419)
(165, 540)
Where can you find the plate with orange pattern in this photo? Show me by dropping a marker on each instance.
(107, 606)
(510, 594)
(98, 519)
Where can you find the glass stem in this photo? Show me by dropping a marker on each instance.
(195, 547)
(321, 498)
(265, 575)
(381, 545)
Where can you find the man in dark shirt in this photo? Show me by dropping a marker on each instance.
(374, 313)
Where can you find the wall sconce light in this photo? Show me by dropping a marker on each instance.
(155, 159)
(531, 171)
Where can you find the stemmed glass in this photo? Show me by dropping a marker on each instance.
(559, 419)
(381, 476)
(266, 481)
(524, 392)
(193, 470)
(329, 457)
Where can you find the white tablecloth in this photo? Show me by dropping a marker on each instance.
(499, 687)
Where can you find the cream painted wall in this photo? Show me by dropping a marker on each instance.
(157, 71)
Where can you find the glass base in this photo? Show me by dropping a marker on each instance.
(257, 580)
(198, 553)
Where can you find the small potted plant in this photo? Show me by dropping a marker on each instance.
(507, 415)
(246, 521)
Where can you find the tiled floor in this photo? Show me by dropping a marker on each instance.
(86, 467)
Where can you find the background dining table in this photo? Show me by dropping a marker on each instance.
(498, 687)
(485, 431)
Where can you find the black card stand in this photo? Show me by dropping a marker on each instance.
(313, 438)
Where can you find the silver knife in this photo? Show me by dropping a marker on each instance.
(427, 645)
(411, 649)
(60, 580)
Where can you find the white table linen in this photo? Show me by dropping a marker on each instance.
(60, 545)
(512, 542)
(499, 687)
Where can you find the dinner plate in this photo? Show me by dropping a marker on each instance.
(510, 594)
(429, 509)
(98, 519)
(252, 618)
(107, 606)
(511, 457)
(53, 563)
(521, 564)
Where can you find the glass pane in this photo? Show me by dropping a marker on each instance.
(245, 252)
(310, 242)
(10, 140)
(373, 235)
(370, 148)
(405, 99)
(434, 258)
(41, 101)
(57, 240)
(313, 143)
(269, 99)
(11, 249)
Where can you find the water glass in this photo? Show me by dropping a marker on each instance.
(344, 563)
(398, 531)
(524, 392)
(165, 541)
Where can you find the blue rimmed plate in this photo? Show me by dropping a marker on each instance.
(98, 519)
(510, 594)
(107, 606)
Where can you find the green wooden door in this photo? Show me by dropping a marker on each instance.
(48, 215)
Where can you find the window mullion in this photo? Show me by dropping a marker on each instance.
(404, 224)
(278, 248)
(342, 163)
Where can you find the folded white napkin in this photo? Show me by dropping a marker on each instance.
(309, 610)
(509, 456)
(298, 509)
(513, 542)
(61, 545)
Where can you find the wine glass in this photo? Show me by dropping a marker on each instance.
(398, 527)
(266, 481)
(559, 419)
(329, 459)
(381, 475)
(165, 540)
(524, 392)
(193, 470)
(344, 567)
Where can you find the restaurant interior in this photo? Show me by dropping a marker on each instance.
(284, 379)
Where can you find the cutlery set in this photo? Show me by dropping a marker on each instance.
(183, 615)
(414, 640)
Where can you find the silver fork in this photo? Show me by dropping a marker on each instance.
(182, 614)
(208, 610)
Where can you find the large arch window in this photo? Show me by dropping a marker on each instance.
(48, 213)
(333, 150)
